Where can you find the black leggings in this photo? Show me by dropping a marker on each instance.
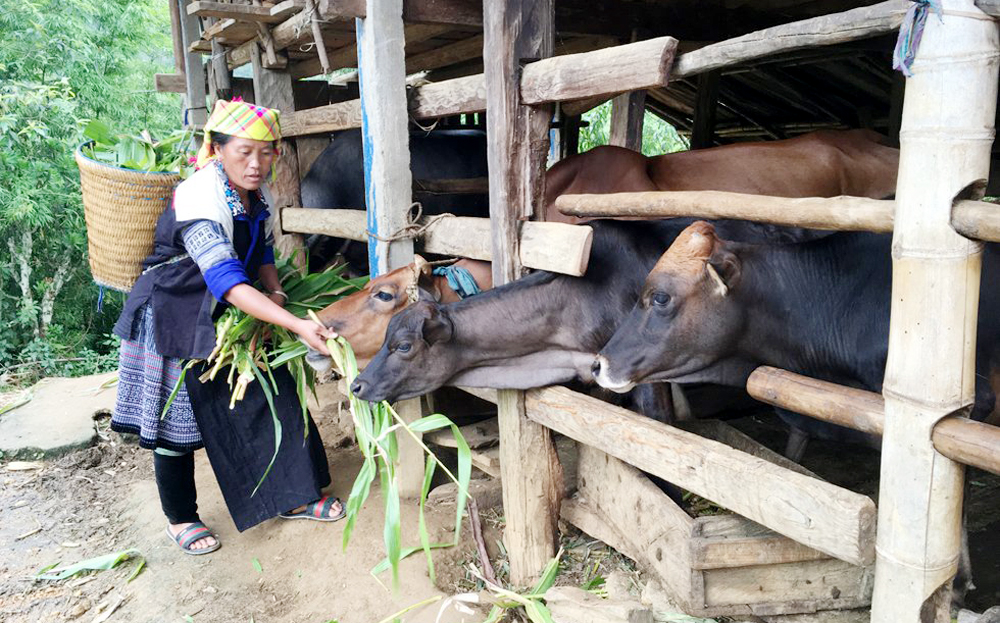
(175, 482)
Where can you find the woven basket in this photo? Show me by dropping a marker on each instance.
(121, 207)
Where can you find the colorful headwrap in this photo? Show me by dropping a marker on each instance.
(240, 119)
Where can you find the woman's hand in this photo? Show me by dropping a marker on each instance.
(314, 335)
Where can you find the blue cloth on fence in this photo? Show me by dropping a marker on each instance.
(459, 279)
(910, 33)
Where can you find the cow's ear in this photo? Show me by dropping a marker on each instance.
(425, 277)
(437, 326)
(724, 270)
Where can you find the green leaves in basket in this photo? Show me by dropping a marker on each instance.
(140, 152)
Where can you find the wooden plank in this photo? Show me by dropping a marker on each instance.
(177, 37)
(860, 23)
(241, 12)
(824, 584)
(487, 460)
(463, 50)
(836, 213)
(347, 56)
(287, 8)
(170, 83)
(440, 99)
(958, 438)
(196, 110)
(516, 150)
(569, 604)
(556, 247)
(749, 551)
(479, 435)
(627, 112)
(629, 67)
(230, 31)
(622, 507)
(818, 514)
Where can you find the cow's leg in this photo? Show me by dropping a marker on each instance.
(798, 440)
(654, 400)
(962, 583)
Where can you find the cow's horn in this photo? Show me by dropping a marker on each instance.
(720, 285)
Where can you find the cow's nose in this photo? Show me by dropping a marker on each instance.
(358, 387)
(595, 367)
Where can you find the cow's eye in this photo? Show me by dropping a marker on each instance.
(383, 296)
(403, 347)
(660, 299)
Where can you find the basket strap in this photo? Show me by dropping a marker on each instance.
(173, 260)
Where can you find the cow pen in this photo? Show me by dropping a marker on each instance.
(900, 559)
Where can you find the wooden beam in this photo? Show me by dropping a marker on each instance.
(608, 71)
(706, 104)
(196, 110)
(241, 12)
(555, 247)
(836, 213)
(958, 438)
(439, 99)
(287, 8)
(627, 112)
(177, 36)
(230, 31)
(347, 56)
(851, 25)
(516, 153)
(170, 83)
(815, 513)
(457, 52)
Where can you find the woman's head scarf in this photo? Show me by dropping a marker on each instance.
(240, 119)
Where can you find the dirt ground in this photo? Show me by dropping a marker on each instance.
(103, 499)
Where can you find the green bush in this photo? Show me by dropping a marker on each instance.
(658, 136)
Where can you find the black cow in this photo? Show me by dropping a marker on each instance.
(712, 310)
(337, 180)
(539, 330)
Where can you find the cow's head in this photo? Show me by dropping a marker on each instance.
(413, 358)
(362, 317)
(686, 319)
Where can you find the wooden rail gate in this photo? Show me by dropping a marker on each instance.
(938, 229)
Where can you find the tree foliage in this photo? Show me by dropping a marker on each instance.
(658, 136)
(61, 65)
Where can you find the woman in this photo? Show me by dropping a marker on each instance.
(210, 246)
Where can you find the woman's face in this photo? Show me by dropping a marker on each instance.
(246, 161)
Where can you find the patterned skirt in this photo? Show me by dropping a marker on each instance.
(145, 380)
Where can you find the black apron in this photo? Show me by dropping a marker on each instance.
(240, 444)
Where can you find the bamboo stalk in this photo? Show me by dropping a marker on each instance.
(946, 136)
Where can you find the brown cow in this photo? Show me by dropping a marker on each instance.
(820, 164)
(362, 317)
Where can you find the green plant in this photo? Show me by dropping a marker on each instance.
(172, 154)
(658, 136)
(375, 426)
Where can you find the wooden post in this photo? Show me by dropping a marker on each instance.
(703, 133)
(947, 131)
(195, 110)
(515, 31)
(273, 89)
(177, 36)
(222, 87)
(388, 182)
(627, 111)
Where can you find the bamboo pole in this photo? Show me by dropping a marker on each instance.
(946, 136)
(958, 438)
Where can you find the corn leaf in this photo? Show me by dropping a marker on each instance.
(277, 427)
(100, 563)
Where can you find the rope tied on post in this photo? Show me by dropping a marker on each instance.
(413, 228)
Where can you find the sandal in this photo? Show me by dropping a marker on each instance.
(190, 535)
(317, 510)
